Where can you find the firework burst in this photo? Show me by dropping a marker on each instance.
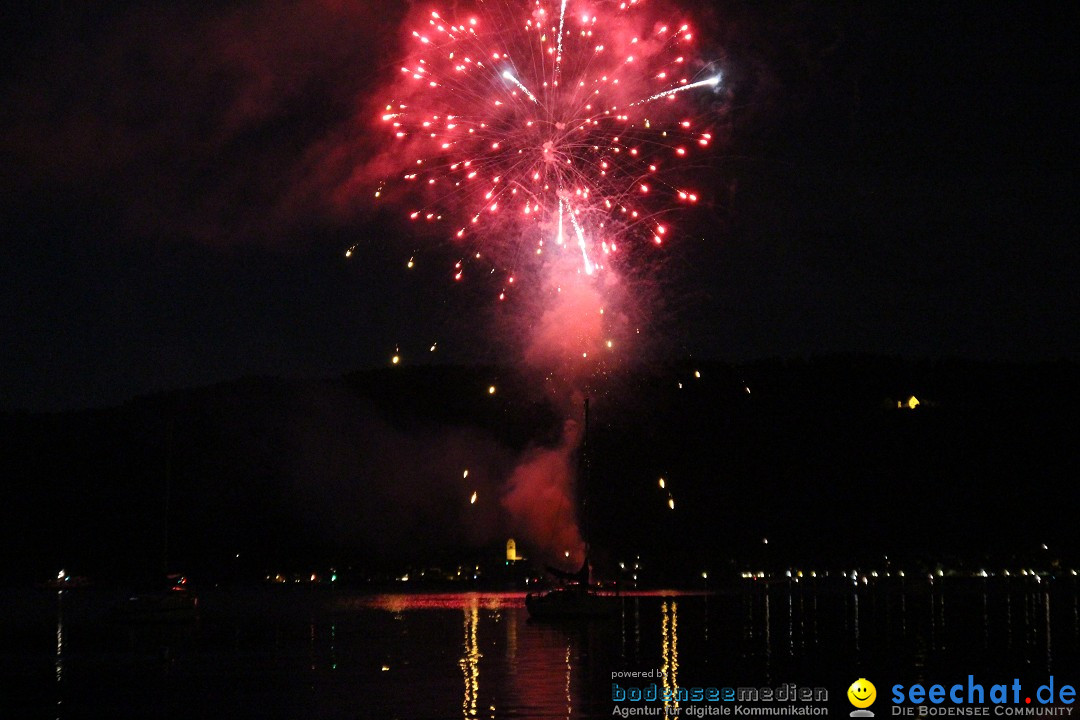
(529, 128)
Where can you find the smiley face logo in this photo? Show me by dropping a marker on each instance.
(862, 693)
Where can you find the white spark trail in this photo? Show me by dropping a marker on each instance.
(510, 76)
(589, 267)
(558, 50)
(712, 82)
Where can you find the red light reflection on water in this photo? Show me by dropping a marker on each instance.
(398, 602)
(439, 601)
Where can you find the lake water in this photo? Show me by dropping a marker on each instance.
(315, 653)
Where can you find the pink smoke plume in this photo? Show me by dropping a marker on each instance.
(572, 330)
(540, 498)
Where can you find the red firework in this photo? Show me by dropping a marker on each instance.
(548, 126)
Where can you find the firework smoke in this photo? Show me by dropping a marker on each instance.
(539, 498)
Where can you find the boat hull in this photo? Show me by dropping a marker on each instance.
(570, 604)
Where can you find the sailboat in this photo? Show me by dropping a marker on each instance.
(577, 598)
(171, 598)
(170, 601)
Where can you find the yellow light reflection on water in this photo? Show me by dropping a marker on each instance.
(669, 631)
(569, 674)
(59, 640)
(470, 660)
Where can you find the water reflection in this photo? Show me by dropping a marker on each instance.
(791, 622)
(669, 631)
(768, 636)
(933, 619)
(1046, 616)
(569, 675)
(1008, 620)
(855, 601)
(59, 661)
(425, 656)
(941, 620)
(512, 638)
(470, 660)
(333, 646)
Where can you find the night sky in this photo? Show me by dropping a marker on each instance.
(895, 178)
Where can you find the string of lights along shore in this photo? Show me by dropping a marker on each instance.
(526, 130)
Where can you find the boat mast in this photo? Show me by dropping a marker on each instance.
(168, 494)
(586, 478)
